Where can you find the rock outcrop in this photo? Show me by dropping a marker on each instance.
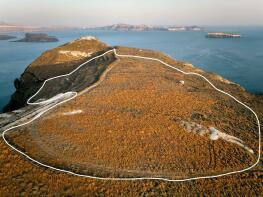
(222, 35)
(58, 61)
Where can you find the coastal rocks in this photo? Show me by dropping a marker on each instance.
(220, 78)
(192, 68)
(37, 37)
(222, 35)
(58, 61)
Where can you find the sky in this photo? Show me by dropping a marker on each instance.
(87, 13)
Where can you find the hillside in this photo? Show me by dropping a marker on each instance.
(60, 60)
(140, 119)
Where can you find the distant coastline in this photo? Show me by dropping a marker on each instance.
(7, 27)
(10, 27)
(127, 27)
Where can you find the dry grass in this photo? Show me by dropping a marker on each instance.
(127, 128)
(54, 56)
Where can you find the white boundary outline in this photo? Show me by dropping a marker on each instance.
(135, 178)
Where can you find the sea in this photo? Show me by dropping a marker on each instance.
(239, 60)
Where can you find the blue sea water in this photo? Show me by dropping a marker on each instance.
(239, 60)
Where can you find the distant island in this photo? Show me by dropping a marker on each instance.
(222, 35)
(127, 27)
(6, 37)
(37, 37)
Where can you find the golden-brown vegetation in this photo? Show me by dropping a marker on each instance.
(128, 127)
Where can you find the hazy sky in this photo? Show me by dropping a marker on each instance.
(151, 12)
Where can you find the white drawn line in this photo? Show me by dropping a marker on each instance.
(136, 178)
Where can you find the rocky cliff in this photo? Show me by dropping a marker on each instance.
(58, 61)
(140, 119)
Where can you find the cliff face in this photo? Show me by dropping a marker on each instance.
(58, 61)
(141, 119)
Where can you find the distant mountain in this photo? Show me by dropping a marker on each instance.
(127, 27)
(10, 27)
(223, 35)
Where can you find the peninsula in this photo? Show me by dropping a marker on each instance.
(132, 117)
